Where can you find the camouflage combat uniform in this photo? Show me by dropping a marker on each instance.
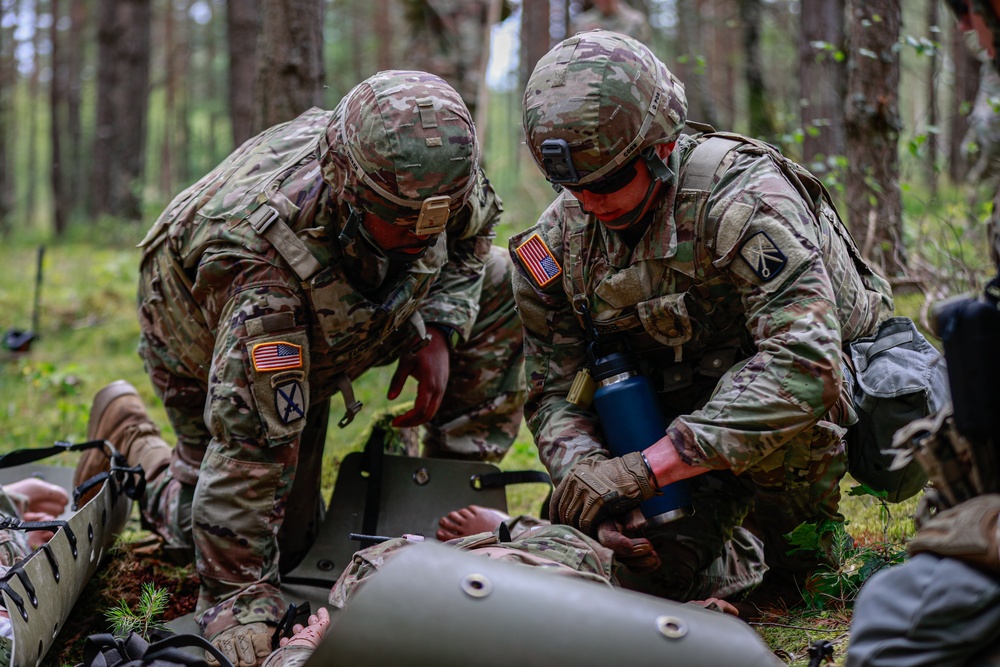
(255, 310)
(738, 307)
(624, 20)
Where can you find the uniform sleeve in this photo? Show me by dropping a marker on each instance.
(554, 350)
(767, 243)
(13, 543)
(258, 398)
(454, 298)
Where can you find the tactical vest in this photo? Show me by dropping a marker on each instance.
(693, 313)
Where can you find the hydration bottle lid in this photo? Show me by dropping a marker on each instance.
(613, 364)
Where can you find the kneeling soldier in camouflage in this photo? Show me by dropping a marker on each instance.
(724, 269)
(322, 247)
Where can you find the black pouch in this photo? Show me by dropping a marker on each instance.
(897, 377)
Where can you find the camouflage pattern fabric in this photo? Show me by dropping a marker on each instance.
(740, 327)
(245, 353)
(622, 19)
(13, 543)
(446, 38)
(559, 549)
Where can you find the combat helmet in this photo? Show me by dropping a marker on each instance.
(403, 147)
(596, 102)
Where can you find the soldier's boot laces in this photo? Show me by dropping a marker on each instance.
(119, 416)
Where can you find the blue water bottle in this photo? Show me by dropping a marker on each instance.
(632, 421)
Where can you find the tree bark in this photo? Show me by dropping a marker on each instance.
(932, 103)
(57, 115)
(963, 97)
(823, 78)
(242, 29)
(122, 101)
(689, 66)
(872, 120)
(761, 111)
(7, 81)
(289, 61)
(76, 51)
(534, 36)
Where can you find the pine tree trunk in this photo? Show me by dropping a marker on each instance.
(963, 97)
(122, 101)
(761, 111)
(76, 58)
(823, 80)
(7, 82)
(57, 96)
(242, 30)
(289, 61)
(691, 50)
(872, 119)
(932, 103)
(534, 36)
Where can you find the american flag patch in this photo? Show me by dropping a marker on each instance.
(276, 356)
(539, 260)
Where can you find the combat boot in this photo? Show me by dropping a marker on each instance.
(118, 416)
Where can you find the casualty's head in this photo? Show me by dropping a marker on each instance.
(403, 156)
(601, 113)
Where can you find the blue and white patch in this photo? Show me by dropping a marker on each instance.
(763, 256)
(290, 401)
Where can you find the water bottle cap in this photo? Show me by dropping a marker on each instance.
(616, 363)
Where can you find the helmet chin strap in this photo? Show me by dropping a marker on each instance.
(660, 173)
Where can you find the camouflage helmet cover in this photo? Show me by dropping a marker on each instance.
(607, 96)
(398, 141)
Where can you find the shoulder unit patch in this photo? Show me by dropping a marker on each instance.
(763, 256)
(276, 356)
(539, 260)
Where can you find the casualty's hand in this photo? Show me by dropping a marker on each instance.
(597, 488)
(429, 366)
(309, 635)
(635, 553)
(245, 645)
(41, 497)
(37, 500)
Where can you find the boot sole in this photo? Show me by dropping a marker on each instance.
(103, 399)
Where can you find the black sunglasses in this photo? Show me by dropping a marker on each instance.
(609, 184)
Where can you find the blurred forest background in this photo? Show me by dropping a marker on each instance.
(109, 107)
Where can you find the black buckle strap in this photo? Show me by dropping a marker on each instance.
(296, 613)
(23, 456)
(495, 480)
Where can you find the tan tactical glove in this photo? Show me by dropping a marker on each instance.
(598, 488)
(245, 645)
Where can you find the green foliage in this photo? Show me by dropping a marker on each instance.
(152, 603)
(838, 586)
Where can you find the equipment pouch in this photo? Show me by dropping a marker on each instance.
(897, 377)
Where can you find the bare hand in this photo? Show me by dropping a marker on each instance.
(43, 497)
(309, 635)
(635, 553)
(429, 366)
